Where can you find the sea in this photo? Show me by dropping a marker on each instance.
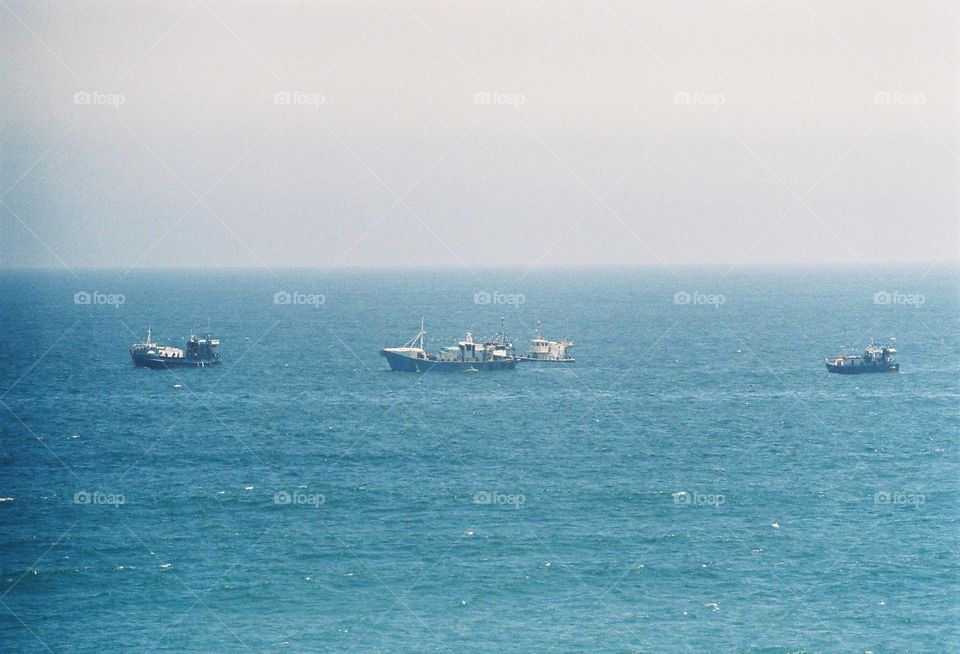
(695, 482)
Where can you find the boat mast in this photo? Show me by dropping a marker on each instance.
(420, 335)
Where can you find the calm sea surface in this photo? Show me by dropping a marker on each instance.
(695, 482)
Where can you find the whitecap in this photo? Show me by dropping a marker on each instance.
(164, 566)
(775, 525)
(6, 499)
(248, 488)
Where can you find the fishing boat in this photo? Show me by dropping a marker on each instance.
(200, 352)
(543, 349)
(469, 355)
(875, 358)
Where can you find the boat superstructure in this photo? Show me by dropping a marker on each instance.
(468, 354)
(876, 358)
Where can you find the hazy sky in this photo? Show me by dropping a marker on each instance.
(278, 134)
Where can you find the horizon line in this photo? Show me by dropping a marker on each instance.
(459, 267)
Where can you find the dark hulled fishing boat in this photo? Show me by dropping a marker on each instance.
(200, 352)
(875, 358)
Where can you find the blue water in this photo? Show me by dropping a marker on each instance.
(696, 481)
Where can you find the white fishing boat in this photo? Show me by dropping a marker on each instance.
(543, 349)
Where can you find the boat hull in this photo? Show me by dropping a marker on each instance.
(859, 370)
(411, 364)
(166, 363)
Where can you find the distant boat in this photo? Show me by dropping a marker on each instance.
(542, 349)
(875, 358)
(200, 352)
(467, 356)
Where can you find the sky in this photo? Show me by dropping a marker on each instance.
(379, 134)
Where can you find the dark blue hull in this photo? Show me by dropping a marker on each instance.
(410, 364)
(859, 370)
(166, 363)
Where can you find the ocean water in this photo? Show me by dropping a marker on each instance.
(695, 482)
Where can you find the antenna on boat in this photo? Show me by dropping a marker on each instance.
(421, 331)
